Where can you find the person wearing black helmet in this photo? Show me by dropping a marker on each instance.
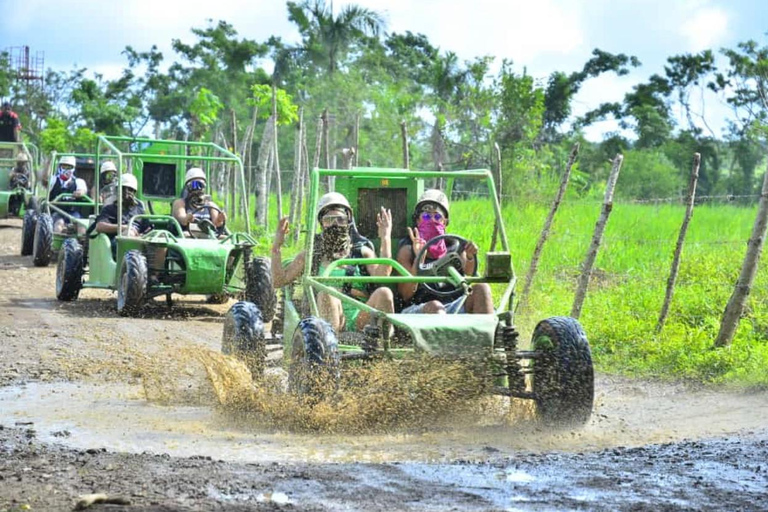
(430, 218)
(334, 242)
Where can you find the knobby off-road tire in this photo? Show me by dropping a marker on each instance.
(32, 204)
(69, 271)
(132, 287)
(259, 288)
(315, 360)
(563, 378)
(244, 336)
(28, 232)
(41, 247)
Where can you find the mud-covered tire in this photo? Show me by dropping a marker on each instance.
(243, 336)
(132, 287)
(217, 298)
(259, 288)
(28, 232)
(315, 360)
(69, 271)
(563, 379)
(43, 241)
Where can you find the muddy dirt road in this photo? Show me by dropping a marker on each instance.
(94, 403)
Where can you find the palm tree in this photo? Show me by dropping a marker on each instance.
(327, 38)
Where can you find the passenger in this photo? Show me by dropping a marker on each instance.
(10, 126)
(336, 242)
(194, 205)
(66, 183)
(430, 219)
(106, 222)
(107, 183)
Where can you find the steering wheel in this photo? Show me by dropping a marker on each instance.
(455, 245)
(205, 224)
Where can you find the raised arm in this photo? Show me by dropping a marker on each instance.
(384, 223)
(282, 276)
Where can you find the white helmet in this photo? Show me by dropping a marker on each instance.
(22, 157)
(333, 200)
(107, 166)
(68, 160)
(129, 180)
(195, 173)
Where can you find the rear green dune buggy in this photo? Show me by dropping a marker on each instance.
(555, 371)
(16, 202)
(37, 235)
(165, 260)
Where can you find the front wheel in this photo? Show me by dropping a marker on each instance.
(41, 247)
(315, 359)
(244, 336)
(28, 232)
(259, 288)
(563, 376)
(69, 272)
(132, 288)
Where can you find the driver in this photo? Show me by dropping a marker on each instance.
(107, 183)
(106, 222)
(19, 178)
(430, 219)
(66, 183)
(336, 241)
(194, 205)
(20, 174)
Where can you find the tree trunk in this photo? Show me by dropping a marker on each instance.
(680, 241)
(597, 237)
(232, 171)
(326, 129)
(304, 184)
(497, 150)
(404, 135)
(262, 192)
(534, 266)
(357, 139)
(738, 299)
(276, 156)
(297, 177)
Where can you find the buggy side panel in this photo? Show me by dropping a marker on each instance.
(102, 269)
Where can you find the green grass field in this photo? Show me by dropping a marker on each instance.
(629, 281)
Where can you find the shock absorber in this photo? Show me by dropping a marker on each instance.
(515, 375)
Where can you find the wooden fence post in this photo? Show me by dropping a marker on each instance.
(741, 292)
(589, 261)
(262, 192)
(497, 177)
(534, 266)
(680, 242)
(406, 155)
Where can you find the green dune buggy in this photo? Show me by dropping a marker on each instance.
(37, 235)
(166, 259)
(17, 201)
(555, 371)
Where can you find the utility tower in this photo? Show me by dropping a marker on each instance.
(27, 68)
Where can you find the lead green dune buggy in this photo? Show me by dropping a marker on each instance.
(16, 202)
(555, 372)
(37, 234)
(166, 259)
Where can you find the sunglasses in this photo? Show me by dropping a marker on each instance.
(66, 168)
(337, 220)
(432, 215)
(196, 185)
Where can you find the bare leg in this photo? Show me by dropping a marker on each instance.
(481, 300)
(331, 310)
(434, 307)
(382, 299)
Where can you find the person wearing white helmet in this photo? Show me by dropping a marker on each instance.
(334, 242)
(66, 183)
(195, 205)
(107, 183)
(20, 174)
(430, 218)
(106, 222)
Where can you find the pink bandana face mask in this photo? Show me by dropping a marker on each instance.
(429, 229)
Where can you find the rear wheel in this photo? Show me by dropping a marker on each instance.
(315, 360)
(28, 232)
(132, 288)
(41, 247)
(244, 336)
(69, 272)
(563, 377)
(259, 288)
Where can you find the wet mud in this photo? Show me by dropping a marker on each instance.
(148, 410)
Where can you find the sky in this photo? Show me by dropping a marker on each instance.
(541, 36)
